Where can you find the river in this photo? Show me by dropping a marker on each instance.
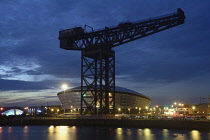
(97, 133)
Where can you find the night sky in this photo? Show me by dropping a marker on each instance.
(172, 65)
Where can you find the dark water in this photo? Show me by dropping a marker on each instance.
(97, 133)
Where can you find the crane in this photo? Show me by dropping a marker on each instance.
(98, 57)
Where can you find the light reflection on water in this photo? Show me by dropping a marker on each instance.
(165, 134)
(119, 133)
(195, 135)
(95, 133)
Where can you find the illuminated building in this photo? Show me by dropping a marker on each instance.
(12, 112)
(124, 99)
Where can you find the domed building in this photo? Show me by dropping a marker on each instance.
(12, 112)
(124, 99)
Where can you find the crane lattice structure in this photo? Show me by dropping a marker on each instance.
(98, 58)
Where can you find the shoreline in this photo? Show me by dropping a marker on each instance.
(159, 124)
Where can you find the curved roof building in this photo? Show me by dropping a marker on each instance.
(12, 112)
(124, 98)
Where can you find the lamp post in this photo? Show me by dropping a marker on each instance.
(52, 111)
(46, 110)
(175, 106)
(193, 109)
(139, 110)
(129, 111)
(119, 110)
(64, 87)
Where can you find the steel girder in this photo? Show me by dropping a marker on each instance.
(98, 81)
(126, 32)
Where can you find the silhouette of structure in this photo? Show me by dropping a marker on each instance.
(98, 58)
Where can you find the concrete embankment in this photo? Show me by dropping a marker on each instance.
(167, 124)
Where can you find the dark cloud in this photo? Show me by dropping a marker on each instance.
(24, 85)
(164, 66)
(30, 46)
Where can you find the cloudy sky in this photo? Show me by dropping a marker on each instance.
(173, 65)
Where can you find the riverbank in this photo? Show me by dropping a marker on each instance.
(161, 124)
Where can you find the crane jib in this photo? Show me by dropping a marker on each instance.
(77, 39)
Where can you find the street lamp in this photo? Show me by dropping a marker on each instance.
(139, 110)
(129, 111)
(175, 106)
(193, 109)
(64, 87)
(119, 110)
(46, 110)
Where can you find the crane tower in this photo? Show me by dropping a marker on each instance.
(98, 58)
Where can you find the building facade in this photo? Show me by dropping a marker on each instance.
(125, 99)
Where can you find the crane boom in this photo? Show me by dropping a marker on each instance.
(98, 58)
(77, 39)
